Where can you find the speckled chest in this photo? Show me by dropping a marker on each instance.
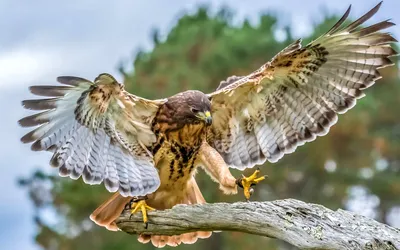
(175, 153)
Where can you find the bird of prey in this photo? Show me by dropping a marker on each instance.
(148, 150)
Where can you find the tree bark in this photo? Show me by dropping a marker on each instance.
(307, 226)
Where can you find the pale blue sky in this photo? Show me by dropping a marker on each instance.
(42, 39)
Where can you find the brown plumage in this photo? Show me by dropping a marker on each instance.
(180, 134)
(139, 147)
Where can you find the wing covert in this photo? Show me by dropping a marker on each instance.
(96, 130)
(298, 94)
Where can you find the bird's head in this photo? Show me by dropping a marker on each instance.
(190, 107)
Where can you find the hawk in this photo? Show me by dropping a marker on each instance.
(148, 150)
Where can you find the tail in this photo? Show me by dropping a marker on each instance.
(193, 196)
(106, 214)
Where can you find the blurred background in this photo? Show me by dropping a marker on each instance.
(158, 48)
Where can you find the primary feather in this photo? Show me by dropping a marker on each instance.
(141, 147)
(298, 94)
(97, 131)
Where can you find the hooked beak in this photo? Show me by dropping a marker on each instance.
(206, 117)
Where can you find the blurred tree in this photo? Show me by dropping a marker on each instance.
(362, 151)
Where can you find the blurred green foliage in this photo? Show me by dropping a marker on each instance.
(362, 150)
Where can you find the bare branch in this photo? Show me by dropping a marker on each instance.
(307, 226)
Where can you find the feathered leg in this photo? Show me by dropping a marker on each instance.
(215, 166)
(106, 214)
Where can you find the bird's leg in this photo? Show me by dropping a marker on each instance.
(248, 182)
(139, 204)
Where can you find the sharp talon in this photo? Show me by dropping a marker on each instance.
(142, 207)
(251, 191)
(248, 182)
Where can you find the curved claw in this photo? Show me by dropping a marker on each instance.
(247, 182)
(143, 207)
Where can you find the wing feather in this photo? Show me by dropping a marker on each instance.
(297, 95)
(98, 131)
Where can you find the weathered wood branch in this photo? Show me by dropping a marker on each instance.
(307, 226)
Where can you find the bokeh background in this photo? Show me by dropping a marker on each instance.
(158, 48)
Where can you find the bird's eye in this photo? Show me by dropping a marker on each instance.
(194, 110)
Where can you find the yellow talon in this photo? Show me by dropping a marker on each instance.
(143, 207)
(247, 182)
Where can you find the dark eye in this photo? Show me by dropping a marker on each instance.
(194, 110)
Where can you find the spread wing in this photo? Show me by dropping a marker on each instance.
(298, 94)
(97, 131)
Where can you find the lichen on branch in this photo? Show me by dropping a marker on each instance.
(307, 226)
